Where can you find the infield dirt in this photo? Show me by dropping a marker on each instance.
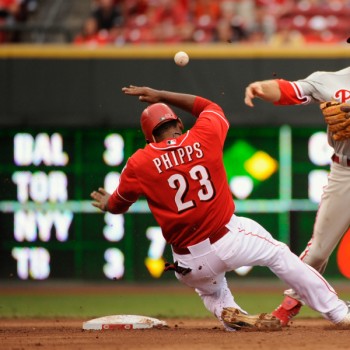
(181, 334)
(193, 334)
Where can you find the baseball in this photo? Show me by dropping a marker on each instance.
(181, 58)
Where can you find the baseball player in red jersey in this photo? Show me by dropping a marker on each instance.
(184, 181)
(329, 226)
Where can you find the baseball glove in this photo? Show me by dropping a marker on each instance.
(237, 320)
(337, 116)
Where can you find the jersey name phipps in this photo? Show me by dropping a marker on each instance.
(179, 156)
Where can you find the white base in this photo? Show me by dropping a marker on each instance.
(123, 322)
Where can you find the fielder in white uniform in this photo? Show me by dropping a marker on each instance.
(331, 221)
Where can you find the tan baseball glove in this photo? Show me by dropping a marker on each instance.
(235, 319)
(337, 116)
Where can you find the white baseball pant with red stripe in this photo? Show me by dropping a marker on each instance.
(332, 221)
(249, 244)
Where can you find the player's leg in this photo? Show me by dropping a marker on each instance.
(313, 289)
(332, 219)
(328, 230)
(254, 246)
(207, 277)
(217, 298)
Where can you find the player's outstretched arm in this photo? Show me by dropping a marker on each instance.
(146, 94)
(101, 197)
(267, 90)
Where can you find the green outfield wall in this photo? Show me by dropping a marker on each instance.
(66, 129)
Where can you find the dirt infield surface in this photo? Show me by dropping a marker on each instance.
(59, 333)
(199, 334)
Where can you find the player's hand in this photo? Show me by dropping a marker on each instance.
(253, 90)
(145, 93)
(267, 90)
(100, 197)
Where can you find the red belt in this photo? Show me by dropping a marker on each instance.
(213, 238)
(336, 159)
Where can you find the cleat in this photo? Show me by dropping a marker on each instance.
(235, 319)
(289, 308)
(345, 322)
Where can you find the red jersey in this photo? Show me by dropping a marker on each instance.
(183, 180)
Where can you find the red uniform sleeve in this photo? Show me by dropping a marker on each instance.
(212, 123)
(199, 105)
(126, 193)
(290, 93)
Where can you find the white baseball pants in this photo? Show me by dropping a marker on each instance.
(249, 244)
(332, 221)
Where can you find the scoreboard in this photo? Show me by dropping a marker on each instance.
(49, 229)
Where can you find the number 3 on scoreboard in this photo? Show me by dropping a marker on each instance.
(180, 183)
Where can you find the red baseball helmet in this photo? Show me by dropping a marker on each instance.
(154, 116)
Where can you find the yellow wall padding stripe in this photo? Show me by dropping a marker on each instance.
(199, 51)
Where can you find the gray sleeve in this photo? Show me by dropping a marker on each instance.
(313, 87)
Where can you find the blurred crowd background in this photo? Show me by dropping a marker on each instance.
(120, 22)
